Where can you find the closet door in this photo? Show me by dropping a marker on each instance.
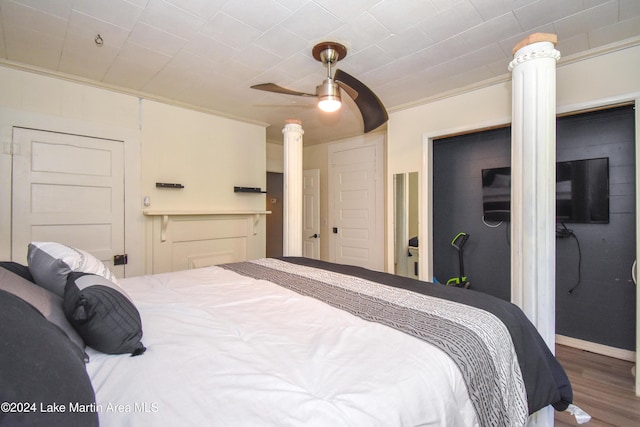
(356, 195)
(311, 214)
(68, 189)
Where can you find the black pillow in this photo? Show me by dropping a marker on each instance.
(17, 268)
(103, 314)
(47, 303)
(40, 367)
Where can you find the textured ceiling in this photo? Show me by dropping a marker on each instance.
(206, 53)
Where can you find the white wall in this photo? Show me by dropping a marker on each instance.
(275, 157)
(206, 153)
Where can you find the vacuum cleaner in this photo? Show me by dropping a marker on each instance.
(458, 243)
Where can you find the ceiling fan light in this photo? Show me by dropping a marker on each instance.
(329, 105)
(328, 96)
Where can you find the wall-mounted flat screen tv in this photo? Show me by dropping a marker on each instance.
(582, 192)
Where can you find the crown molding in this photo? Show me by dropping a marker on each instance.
(118, 89)
(570, 59)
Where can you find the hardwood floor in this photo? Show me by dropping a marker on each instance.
(602, 387)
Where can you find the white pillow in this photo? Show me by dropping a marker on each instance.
(50, 263)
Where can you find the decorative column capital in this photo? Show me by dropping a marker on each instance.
(535, 46)
(293, 125)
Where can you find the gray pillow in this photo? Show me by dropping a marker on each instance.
(40, 367)
(50, 263)
(103, 314)
(45, 302)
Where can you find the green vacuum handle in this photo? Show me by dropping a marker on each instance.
(461, 234)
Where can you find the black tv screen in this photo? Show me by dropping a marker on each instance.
(582, 192)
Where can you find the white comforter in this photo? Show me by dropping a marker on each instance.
(227, 350)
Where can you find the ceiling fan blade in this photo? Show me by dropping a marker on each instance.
(373, 112)
(272, 87)
(353, 94)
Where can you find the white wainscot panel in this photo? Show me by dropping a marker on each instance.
(201, 243)
(185, 241)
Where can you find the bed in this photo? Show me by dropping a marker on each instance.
(281, 342)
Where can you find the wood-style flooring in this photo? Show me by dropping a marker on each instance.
(602, 386)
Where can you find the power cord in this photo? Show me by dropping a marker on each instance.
(496, 225)
(562, 232)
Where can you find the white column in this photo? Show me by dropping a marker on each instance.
(533, 186)
(292, 215)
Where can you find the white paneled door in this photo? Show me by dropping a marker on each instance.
(311, 214)
(68, 189)
(357, 194)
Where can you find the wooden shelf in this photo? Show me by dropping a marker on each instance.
(256, 190)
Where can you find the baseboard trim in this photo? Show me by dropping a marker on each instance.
(593, 347)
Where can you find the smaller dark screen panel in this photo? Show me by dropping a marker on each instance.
(582, 192)
(496, 194)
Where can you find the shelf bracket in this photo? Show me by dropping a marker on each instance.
(256, 220)
(163, 228)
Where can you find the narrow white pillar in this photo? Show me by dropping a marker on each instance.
(293, 176)
(533, 186)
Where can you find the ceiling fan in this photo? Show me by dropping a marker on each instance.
(328, 92)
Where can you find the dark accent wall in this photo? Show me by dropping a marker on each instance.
(598, 260)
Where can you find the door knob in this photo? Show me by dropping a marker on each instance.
(314, 236)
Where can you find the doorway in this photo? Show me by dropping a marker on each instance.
(595, 292)
(311, 214)
(275, 195)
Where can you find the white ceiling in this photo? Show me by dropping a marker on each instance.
(206, 53)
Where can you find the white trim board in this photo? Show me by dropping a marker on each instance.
(605, 350)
